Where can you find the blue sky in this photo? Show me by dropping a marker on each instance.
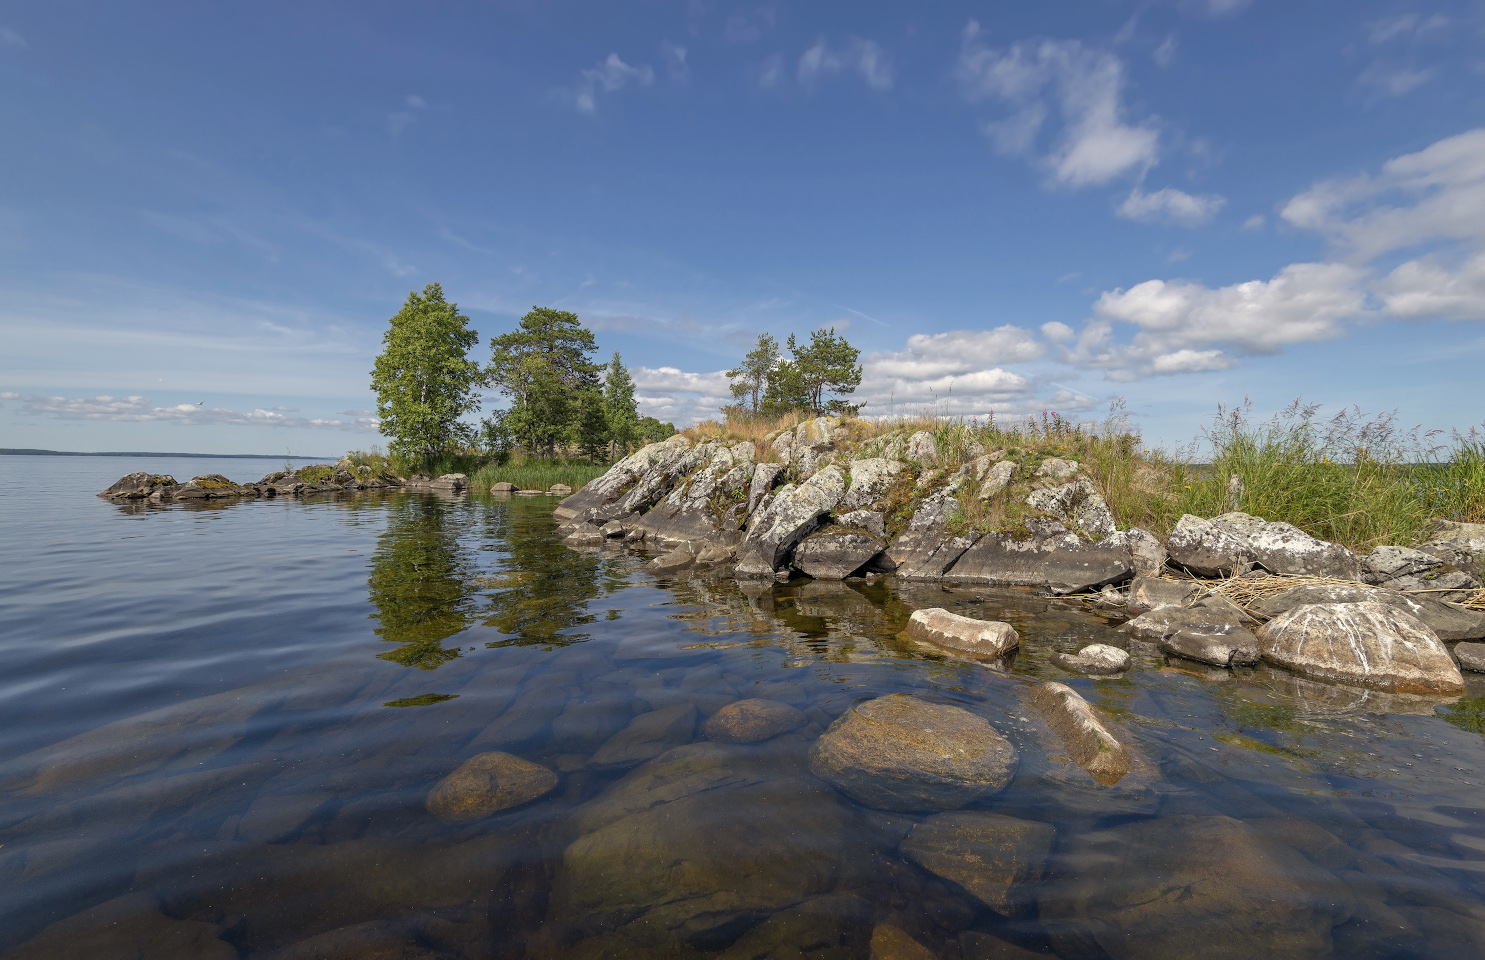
(209, 211)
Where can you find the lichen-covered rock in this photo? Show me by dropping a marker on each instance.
(926, 531)
(994, 857)
(1096, 659)
(871, 521)
(624, 477)
(870, 480)
(902, 753)
(1285, 549)
(937, 627)
(753, 721)
(1459, 544)
(922, 448)
(1448, 623)
(997, 478)
(835, 556)
(137, 486)
(1062, 563)
(809, 445)
(1087, 739)
(1146, 553)
(793, 514)
(488, 783)
(1151, 593)
(1078, 505)
(764, 475)
(1056, 468)
(1367, 643)
(1206, 549)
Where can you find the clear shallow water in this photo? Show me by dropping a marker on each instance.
(198, 752)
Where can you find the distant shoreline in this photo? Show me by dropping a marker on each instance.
(24, 452)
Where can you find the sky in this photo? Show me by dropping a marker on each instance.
(208, 212)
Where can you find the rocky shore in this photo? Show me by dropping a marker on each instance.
(343, 477)
(1228, 591)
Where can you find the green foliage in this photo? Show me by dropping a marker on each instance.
(653, 431)
(544, 367)
(619, 409)
(423, 379)
(536, 474)
(750, 379)
(811, 374)
(590, 431)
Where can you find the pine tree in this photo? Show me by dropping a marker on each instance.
(751, 377)
(619, 407)
(544, 367)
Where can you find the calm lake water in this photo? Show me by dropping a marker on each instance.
(219, 725)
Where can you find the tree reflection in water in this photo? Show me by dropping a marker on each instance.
(421, 579)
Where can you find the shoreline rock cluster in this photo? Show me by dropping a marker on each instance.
(821, 502)
(343, 477)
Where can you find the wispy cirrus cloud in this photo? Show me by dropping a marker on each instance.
(1169, 205)
(863, 58)
(610, 75)
(137, 409)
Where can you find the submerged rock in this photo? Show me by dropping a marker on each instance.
(902, 753)
(647, 736)
(987, 854)
(125, 928)
(753, 721)
(1094, 659)
(1215, 635)
(486, 784)
(1368, 643)
(1082, 732)
(980, 638)
(893, 943)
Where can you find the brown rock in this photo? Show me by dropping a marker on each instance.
(1087, 739)
(893, 943)
(130, 927)
(985, 853)
(752, 721)
(965, 635)
(488, 783)
(1368, 643)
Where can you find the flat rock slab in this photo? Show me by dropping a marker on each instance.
(987, 854)
(753, 721)
(937, 627)
(1082, 732)
(647, 736)
(1221, 645)
(1063, 564)
(488, 783)
(902, 753)
(128, 926)
(1096, 659)
(835, 556)
(1471, 656)
(1368, 643)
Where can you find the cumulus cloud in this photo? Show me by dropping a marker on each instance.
(864, 58)
(609, 76)
(137, 409)
(962, 366)
(1095, 144)
(1433, 286)
(678, 396)
(1057, 332)
(1169, 205)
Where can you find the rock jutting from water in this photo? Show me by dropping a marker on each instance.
(1368, 643)
(1096, 659)
(939, 628)
(1082, 732)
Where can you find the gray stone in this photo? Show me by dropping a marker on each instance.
(994, 857)
(488, 783)
(646, 737)
(936, 562)
(584, 535)
(1062, 564)
(613, 529)
(902, 753)
(926, 530)
(559, 490)
(1471, 656)
(1206, 549)
(678, 522)
(869, 520)
(753, 721)
(1367, 643)
(937, 627)
(871, 479)
(764, 475)
(137, 486)
(1079, 728)
(1449, 623)
(682, 557)
(1095, 659)
(922, 448)
(835, 556)
(1287, 550)
(997, 478)
(1078, 505)
(1219, 640)
(1244, 526)
(1151, 593)
(792, 515)
(1459, 544)
(1389, 563)
(1057, 469)
(450, 481)
(1146, 553)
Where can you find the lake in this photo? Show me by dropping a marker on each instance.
(220, 725)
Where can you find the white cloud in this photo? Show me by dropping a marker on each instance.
(1095, 144)
(771, 72)
(609, 76)
(1395, 81)
(955, 353)
(1406, 27)
(1255, 222)
(678, 396)
(1165, 54)
(137, 409)
(863, 57)
(1169, 205)
(1057, 332)
(675, 61)
(1434, 287)
(749, 28)
(10, 395)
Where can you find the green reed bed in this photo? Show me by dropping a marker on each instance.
(537, 474)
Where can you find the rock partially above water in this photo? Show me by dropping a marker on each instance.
(1447, 622)
(1152, 593)
(1094, 659)
(1207, 549)
(964, 635)
(752, 721)
(1062, 563)
(988, 854)
(1081, 731)
(1215, 635)
(902, 753)
(1471, 656)
(789, 517)
(488, 783)
(1368, 643)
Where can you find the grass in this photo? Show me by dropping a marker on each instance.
(537, 474)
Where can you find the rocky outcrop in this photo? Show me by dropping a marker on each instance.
(486, 784)
(314, 479)
(922, 550)
(624, 476)
(871, 479)
(753, 721)
(1461, 545)
(871, 521)
(1096, 659)
(1077, 505)
(835, 555)
(902, 753)
(939, 628)
(1082, 732)
(922, 448)
(810, 445)
(1207, 549)
(1285, 549)
(1367, 643)
(1057, 469)
(996, 858)
(792, 515)
(1061, 563)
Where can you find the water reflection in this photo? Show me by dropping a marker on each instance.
(421, 581)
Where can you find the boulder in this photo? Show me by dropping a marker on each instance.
(624, 477)
(682, 557)
(1285, 549)
(1078, 505)
(1095, 659)
(962, 635)
(821, 928)
(753, 721)
(1206, 549)
(647, 736)
(450, 481)
(584, 535)
(997, 478)
(902, 753)
(671, 522)
(1388, 563)
(1151, 593)
(869, 520)
(488, 783)
(922, 448)
(1057, 469)
(1459, 544)
(504, 486)
(1210, 636)
(1471, 656)
(559, 490)
(927, 530)
(835, 556)
(1082, 732)
(810, 445)
(894, 943)
(993, 857)
(1449, 623)
(137, 486)
(792, 515)
(871, 479)
(613, 530)
(1367, 643)
(701, 842)
(1146, 554)
(1062, 563)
